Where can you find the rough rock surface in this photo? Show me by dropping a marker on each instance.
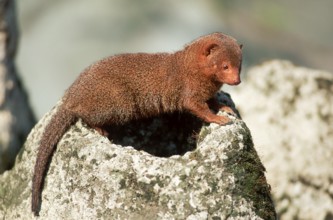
(289, 110)
(91, 178)
(16, 118)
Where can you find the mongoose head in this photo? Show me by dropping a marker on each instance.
(220, 58)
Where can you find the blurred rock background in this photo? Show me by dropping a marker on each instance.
(16, 116)
(60, 38)
(289, 110)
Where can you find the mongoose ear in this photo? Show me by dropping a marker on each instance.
(209, 49)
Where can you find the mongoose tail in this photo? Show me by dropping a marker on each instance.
(59, 124)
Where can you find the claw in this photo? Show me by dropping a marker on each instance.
(218, 119)
(229, 111)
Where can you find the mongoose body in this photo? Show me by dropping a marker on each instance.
(125, 87)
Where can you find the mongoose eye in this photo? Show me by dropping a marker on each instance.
(225, 66)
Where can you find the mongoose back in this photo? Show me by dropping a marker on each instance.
(125, 87)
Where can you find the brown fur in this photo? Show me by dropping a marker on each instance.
(124, 87)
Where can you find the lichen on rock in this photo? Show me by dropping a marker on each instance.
(91, 178)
